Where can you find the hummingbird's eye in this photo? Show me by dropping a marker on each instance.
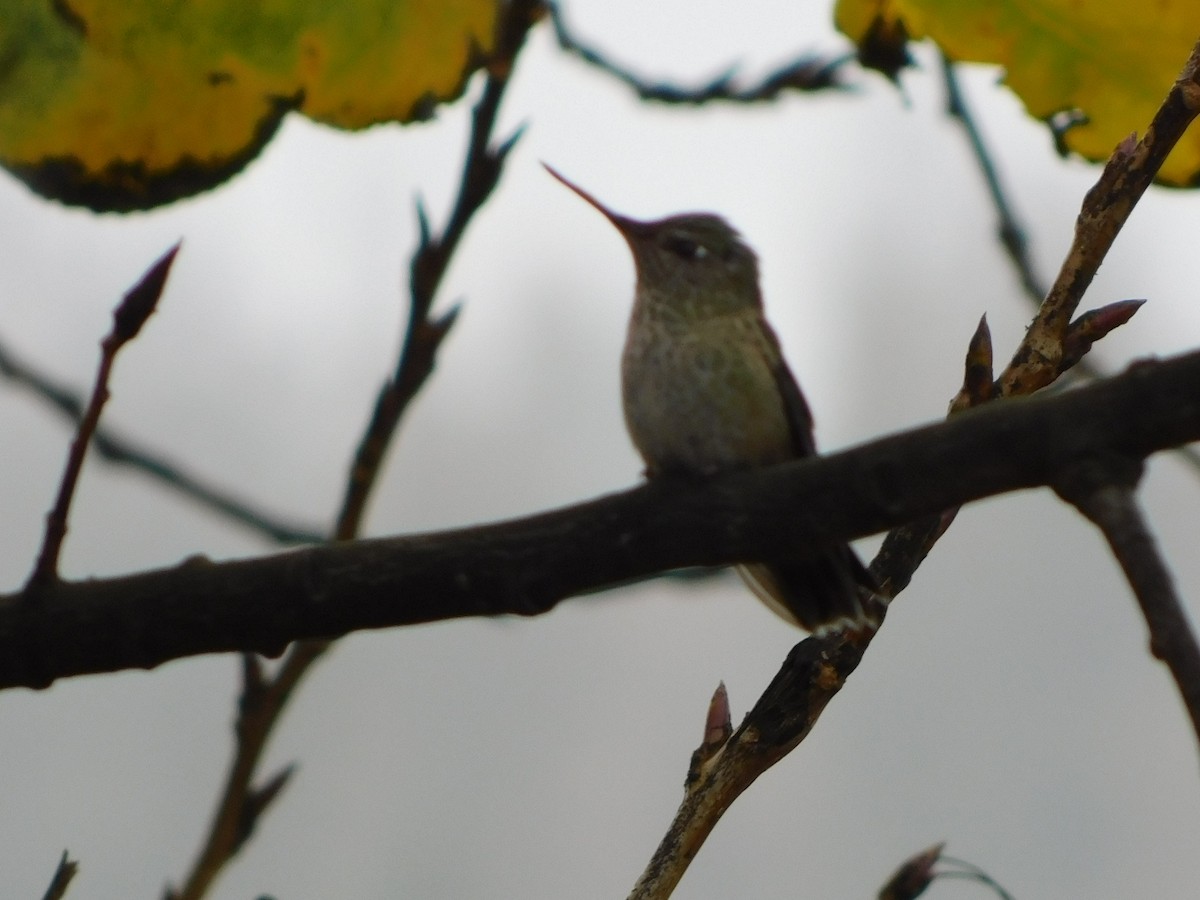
(685, 248)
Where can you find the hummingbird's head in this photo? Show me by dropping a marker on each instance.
(696, 262)
(693, 265)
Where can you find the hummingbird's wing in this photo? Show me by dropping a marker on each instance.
(818, 592)
(795, 407)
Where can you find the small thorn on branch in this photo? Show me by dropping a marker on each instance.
(978, 379)
(257, 801)
(1092, 326)
(501, 151)
(442, 324)
(718, 726)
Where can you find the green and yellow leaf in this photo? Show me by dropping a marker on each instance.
(128, 104)
(1112, 59)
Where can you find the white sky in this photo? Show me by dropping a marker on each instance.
(1009, 707)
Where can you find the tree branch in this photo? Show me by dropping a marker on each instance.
(1009, 231)
(1103, 489)
(805, 73)
(526, 566)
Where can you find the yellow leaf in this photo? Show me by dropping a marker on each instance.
(1113, 59)
(128, 104)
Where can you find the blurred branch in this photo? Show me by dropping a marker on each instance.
(1010, 231)
(131, 314)
(265, 698)
(1103, 489)
(806, 73)
(117, 449)
(527, 566)
(63, 873)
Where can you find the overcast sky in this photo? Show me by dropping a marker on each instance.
(1009, 707)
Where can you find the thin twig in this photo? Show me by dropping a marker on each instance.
(121, 450)
(806, 73)
(130, 315)
(1010, 232)
(1104, 491)
(264, 699)
(972, 872)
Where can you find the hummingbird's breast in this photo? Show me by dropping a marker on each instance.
(702, 397)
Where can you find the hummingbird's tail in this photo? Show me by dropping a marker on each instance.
(820, 595)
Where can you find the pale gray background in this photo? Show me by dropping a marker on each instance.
(1010, 707)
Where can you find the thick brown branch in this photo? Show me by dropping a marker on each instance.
(527, 566)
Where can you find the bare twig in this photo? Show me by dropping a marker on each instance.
(130, 315)
(119, 449)
(1103, 489)
(63, 874)
(263, 700)
(971, 872)
(806, 73)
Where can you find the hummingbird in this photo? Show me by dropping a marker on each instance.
(706, 390)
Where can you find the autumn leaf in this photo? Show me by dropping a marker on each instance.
(129, 104)
(1111, 59)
